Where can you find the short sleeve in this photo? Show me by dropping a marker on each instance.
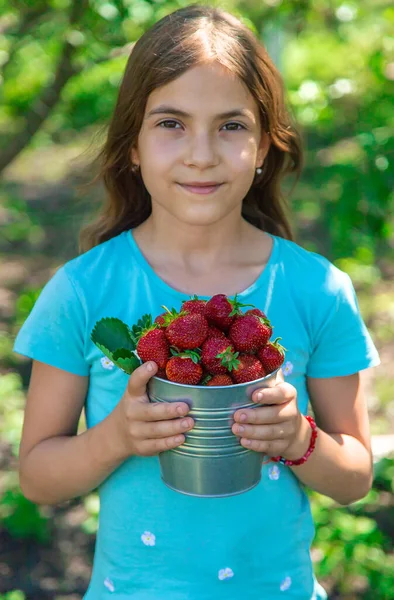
(53, 333)
(341, 343)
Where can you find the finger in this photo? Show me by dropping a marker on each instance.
(264, 415)
(160, 411)
(161, 429)
(279, 394)
(153, 447)
(136, 386)
(263, 432)
(268, 447)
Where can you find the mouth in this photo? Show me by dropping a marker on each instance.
(201, 189)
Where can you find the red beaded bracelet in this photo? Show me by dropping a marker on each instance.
(303, 459)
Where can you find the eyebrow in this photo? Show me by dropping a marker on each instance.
(164, 109)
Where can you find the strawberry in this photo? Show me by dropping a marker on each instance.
(183, 367)
(221, 311)
(194, 305)
(160, 320)
(249, 369)
(186, 330)
(153, 345)
(220, 380)
(217, 356)
(215, 332)
(249, 333)
(257, 312)
(272, 355)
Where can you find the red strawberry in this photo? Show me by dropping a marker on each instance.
(249, 369)
(194, 305)
(220, 380)
(221, 311)
(187, 331)
(161, 373)
(183, 368)
(249, 333)
(272, 355)
(257, 312)
(217, 356)
(160, 320)
(153, 345)
(215, 332)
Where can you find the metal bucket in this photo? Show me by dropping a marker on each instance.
(211, 463)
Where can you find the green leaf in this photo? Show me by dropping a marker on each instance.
(126, 360)
(110, 334)
(144, 323)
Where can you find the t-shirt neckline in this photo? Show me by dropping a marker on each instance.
(158, 281)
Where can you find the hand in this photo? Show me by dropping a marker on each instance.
(146, 428)
(276, 428)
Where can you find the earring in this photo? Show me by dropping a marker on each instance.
(259, 171)
(134, 167)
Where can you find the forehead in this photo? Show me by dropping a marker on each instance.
(205, 88)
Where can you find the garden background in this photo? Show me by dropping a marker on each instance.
(61, 63)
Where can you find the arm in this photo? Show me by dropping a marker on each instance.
(341, 465)
(56, 464)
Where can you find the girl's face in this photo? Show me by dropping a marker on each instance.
(200, 145)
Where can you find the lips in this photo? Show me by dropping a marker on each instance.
(201, 189)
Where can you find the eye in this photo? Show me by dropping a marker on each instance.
(167, 121)
(176, 123)
(233, 123)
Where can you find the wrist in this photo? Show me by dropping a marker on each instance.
(111, 443)
(301, 444)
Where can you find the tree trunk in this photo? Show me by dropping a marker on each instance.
(44, 104)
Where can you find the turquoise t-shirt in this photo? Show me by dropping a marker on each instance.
(154, 543)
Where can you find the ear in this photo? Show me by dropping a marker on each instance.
(134, 156)
(264, 146)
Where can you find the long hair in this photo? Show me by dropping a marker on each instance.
(196, 34)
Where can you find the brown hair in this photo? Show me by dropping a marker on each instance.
(185, 38)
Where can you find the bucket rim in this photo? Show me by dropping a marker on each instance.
(218, 387)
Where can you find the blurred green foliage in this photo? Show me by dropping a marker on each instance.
(337, 61)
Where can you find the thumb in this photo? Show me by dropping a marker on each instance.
(139, 378)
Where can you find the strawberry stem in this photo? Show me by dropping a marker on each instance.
(229, 359)
(237, 306)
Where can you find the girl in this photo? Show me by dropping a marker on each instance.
(198, 143)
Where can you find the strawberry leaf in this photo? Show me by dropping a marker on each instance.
(126, 360)
(112, 334)
(229, 359)
(237, 306)
(143, 324)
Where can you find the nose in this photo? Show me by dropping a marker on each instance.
(202, 150)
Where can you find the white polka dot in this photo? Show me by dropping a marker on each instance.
(109, 584)
(288, 368)
(286, 583)
(274, 472)
(107, 364)
(225, 573)
(148, 538)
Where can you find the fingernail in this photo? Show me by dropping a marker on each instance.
(260, 396)
(240, 429)
(180, 410)
(149, 367)
(242, 418)
(185, 423)
(246, 442)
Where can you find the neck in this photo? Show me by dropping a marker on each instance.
(193, 246)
